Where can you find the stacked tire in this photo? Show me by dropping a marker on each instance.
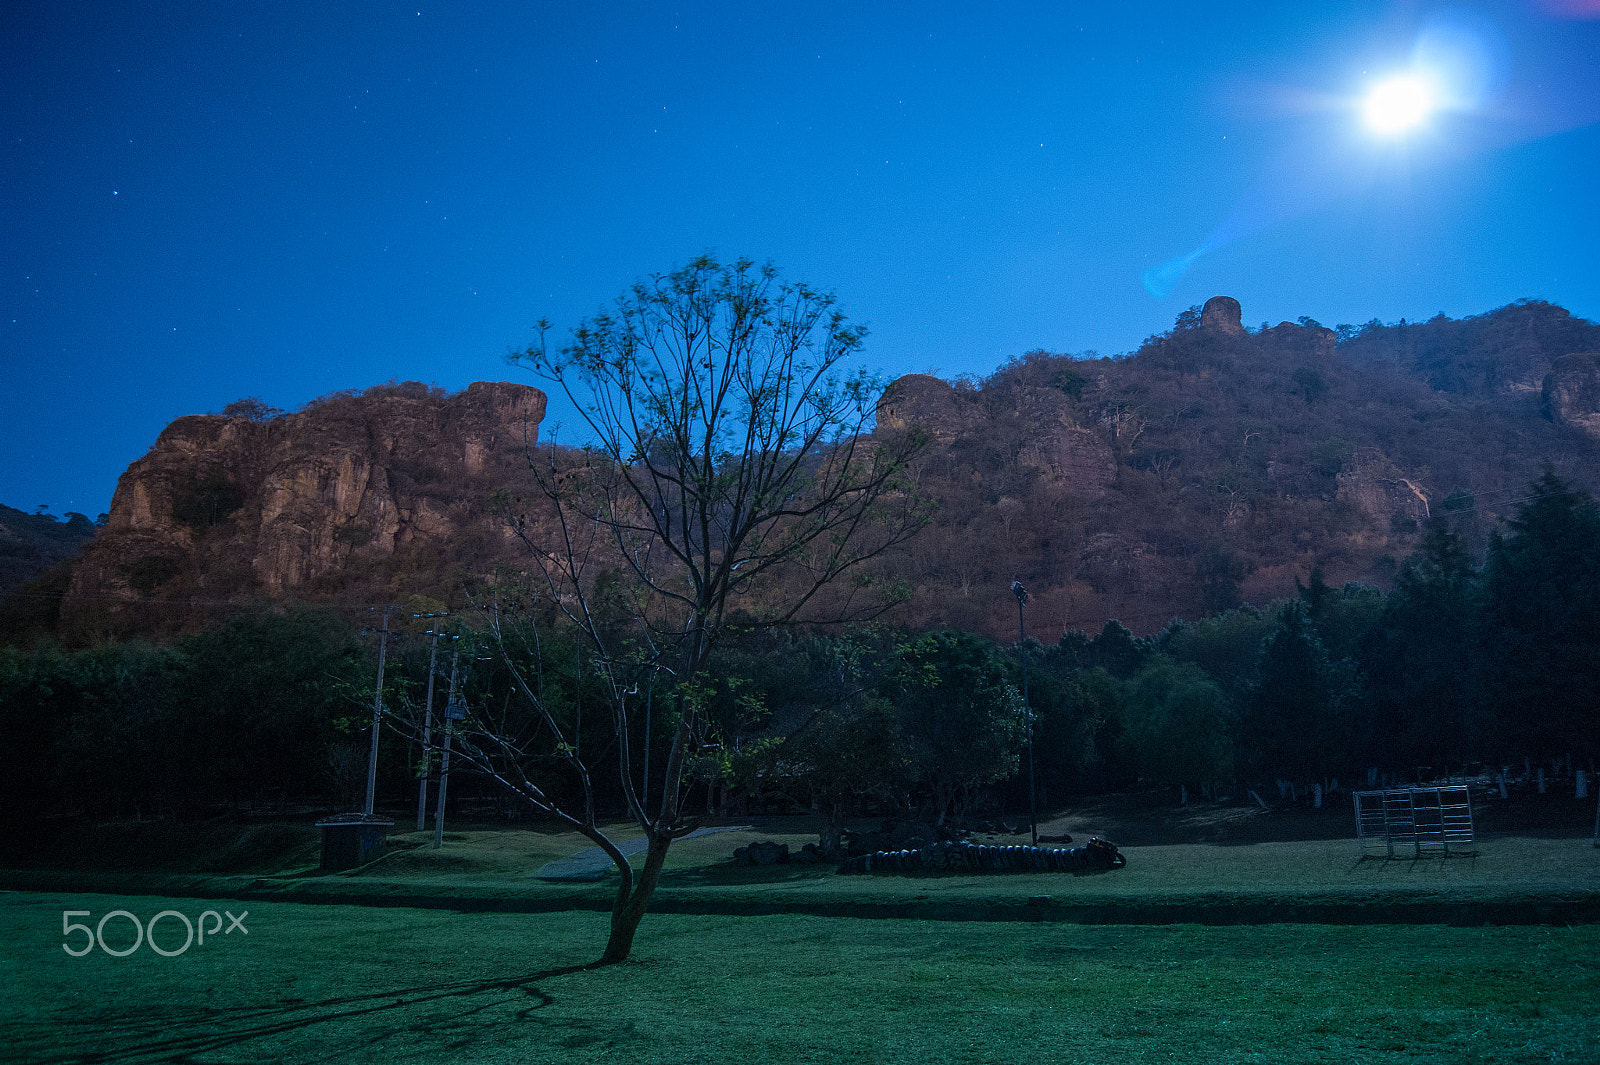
(1097, 855)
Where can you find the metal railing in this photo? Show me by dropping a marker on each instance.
(1414, 817)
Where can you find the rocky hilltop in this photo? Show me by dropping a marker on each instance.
(343, 495)
(1217, 465)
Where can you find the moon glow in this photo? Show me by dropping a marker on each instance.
(1398, 105)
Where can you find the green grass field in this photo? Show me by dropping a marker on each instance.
(1003, 975)
(342, 983)
(1267, 866)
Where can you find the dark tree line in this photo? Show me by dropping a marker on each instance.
(258, 710)
(1460, 664)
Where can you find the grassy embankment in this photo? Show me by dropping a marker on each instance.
(1210, 863)
(340, 982)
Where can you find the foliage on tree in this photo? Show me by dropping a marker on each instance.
(1177, 725)
(250, 710)
(1114, 649)
(1227, 646)
(205, 499)
(730, 478)
(1076, 719)
(960, 713)
(1540, 622)
(263, 699)
(1297, 716)
(253, 408)
(1420, 661)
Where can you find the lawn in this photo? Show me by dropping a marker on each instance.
(1208, 862)
(315, 983)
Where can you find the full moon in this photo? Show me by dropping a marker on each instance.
(1398, 104)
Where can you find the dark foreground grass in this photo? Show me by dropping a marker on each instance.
(349, 984)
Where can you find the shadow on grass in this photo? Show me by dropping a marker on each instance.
(448, 1013)
(1405, 861)
(727, 874)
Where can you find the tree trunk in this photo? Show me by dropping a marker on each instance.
(631, 905)
(832, 836)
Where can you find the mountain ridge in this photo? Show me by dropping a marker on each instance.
(1215, 466)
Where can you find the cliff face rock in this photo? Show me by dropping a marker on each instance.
(1309, 341)
(1371, 484)
(926, 402)
(191, 449)
(1571, 393)
(228, 506)
(1223, 314)
(1038, 425)
(1084, 464)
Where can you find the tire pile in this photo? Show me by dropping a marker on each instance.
(1097, 855)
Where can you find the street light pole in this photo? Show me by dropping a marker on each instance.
(377, 717)
(453, 712)
(427, 723)
(1027, 711)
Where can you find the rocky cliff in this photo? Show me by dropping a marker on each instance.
(1049, 436)
(382, 492)
(1372, 485)
(1214, 466)
(1571, 393)
(1219, 464)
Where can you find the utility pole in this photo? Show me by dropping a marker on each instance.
(427, 724)
(377, 717)
(1027, 711)
(454, 710)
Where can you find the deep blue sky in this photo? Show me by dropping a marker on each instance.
(203, 201)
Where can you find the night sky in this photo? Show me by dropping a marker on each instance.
(200, 202)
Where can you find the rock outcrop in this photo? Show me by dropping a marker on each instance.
(230, 506)
(926, 402)
(1041, 421)
(1571, 394)
(1287, 340)
(1223, 314)
(1370, 483)
(1084, 463)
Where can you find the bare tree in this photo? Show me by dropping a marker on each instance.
(732, 470)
